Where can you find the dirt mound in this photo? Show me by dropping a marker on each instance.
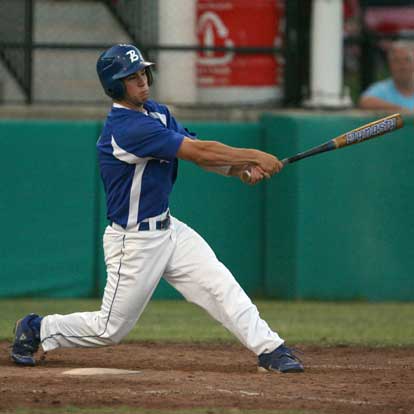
(182, 376)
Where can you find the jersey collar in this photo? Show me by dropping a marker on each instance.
(117, 105)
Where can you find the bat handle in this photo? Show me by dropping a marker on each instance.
(245, 177)
(246, 173)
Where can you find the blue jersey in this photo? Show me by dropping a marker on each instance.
(137, 160)
(387, 91)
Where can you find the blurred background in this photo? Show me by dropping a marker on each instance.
(278, 75)
(224, 52)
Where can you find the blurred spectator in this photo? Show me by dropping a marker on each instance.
(352, 29)
(397, 92)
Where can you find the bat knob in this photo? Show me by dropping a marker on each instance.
(246, 176)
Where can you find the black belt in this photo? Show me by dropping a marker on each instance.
(145, 225)
(159, 225)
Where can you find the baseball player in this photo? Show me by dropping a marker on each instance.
(138, 153)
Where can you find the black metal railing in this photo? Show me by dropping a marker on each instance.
(16, 34)
(138, 19)
(17, 45)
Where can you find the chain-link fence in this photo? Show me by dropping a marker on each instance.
(16, 31)
(370, 26)
(230, 52)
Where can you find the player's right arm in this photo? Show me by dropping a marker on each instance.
(214, 153)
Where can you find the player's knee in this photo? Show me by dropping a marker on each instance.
(114, 339)
(116, 331)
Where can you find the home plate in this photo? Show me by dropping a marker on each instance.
(100, 371)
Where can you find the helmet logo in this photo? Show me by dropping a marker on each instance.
(133, 55)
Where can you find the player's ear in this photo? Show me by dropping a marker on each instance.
(150, 78)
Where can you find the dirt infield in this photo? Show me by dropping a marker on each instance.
(177, 376)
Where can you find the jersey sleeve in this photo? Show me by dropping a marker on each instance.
(180, 129)
(176, 126)
(147, 137)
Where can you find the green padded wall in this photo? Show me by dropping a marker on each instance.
(337, 226)
(344, 223)
(226, 213)
(280, 220)
(47, 204)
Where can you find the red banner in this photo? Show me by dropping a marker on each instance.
(236, 23)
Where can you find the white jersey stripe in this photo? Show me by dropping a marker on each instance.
(135, 194)
(161, 117)
(123, 155)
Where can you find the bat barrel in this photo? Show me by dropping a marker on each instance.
(369, 131)
(372, 130)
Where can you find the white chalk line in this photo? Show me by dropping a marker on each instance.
(281, 396)
(290, 398)
(358, 367)
(220, 390)
(335, 400)
(242, 392)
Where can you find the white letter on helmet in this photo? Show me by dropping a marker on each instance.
(132, 55)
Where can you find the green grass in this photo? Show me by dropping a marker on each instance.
(367, 324)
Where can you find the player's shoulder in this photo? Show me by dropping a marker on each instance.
(154, 106)
(119, 122)
(118, 112)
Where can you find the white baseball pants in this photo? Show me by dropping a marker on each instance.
(136, 261)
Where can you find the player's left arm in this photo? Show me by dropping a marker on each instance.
(256, 173)
(213, 156)
(225, 170)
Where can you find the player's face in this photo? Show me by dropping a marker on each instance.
(137, 89)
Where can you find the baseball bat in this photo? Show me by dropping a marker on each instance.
(363, 133)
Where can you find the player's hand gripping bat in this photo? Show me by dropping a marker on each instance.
(363, 133)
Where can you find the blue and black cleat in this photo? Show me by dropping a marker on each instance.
(282, 359)
(26, 340)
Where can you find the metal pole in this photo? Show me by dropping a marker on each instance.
(327, 56)
(291, 58)
(28, 50)
(296, 51)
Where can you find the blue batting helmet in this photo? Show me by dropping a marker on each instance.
(117, 63)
